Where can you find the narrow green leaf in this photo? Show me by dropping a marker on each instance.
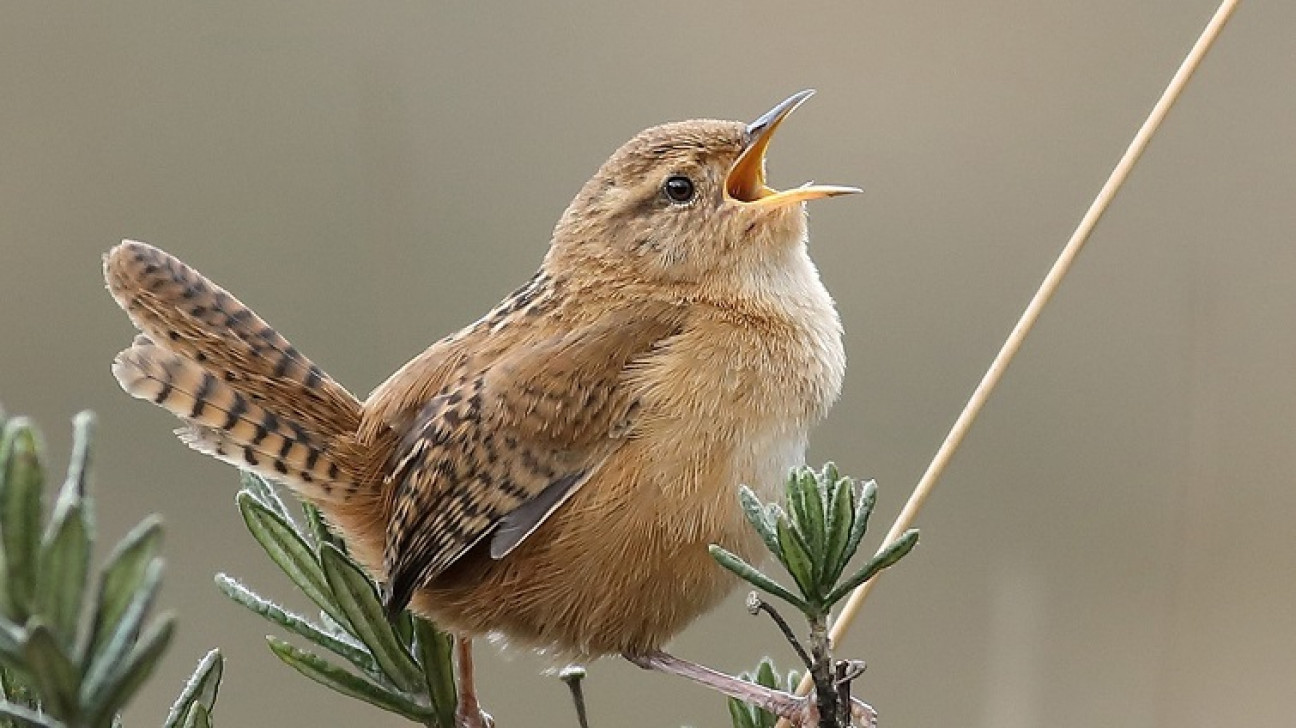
(110, 696)
(774, 513)
(812, 522)
(758, 516)
(122, 575)
(829, 492)
(22, 479)
(841, 517)
(290, 551)
(319, 528)
(266, 494)
(64, 566)
(350, 651)
(895, 551)
(358, 599)
(402, 625)
(797, 502)
(796, 559)
(755, 577)
(54, 676)
(741, 714)
(315, 525)
(78, 475)
(339, 680)
(199, 691)
(336, 628)
(829, 473)
(26, 717)
(198, 716)
(765, 674)
(104, 663)
(863, 509)
(435, 650)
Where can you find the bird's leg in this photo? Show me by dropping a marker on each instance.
(468, 712)
(784, 705)
(797, 709)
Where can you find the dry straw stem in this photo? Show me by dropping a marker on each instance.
(1027, 321)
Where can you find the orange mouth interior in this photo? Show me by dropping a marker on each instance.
(745, 182)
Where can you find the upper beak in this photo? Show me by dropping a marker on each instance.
(745, 182)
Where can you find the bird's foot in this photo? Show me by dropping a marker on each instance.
(799, 710)
(472, 718)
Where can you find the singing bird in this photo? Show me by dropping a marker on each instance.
(554, 472)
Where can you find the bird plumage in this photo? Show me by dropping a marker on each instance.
(554, 472)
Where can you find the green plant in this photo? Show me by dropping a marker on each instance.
(403, 666)
(814, 538)
(766, 675)
(72, 656)
(74, 650)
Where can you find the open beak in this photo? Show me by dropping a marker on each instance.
(745, 182)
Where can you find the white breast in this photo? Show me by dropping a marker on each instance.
(737, 392)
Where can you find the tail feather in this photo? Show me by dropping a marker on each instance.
(245, 394)
(221, 421)
(182, 311)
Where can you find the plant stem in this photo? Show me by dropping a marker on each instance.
(755, 605)
(572, 675)
(842, 682)
(1045, 292)
(821, 671)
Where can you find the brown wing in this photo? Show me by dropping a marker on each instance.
(502, 446)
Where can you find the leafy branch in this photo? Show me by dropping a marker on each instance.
(72, 656)
(403, 667)
(74, 649)
(814, 539)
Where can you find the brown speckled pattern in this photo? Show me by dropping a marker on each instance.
(554, 472)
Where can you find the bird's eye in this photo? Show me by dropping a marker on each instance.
(679, 189)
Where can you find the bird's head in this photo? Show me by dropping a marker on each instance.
(686, 202)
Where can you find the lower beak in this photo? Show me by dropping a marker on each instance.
(745, 182)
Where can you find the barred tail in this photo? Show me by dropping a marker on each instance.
(245, 394)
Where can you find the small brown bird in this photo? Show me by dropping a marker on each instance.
(554, 472)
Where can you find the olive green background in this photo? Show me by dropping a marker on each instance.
(1113, 545)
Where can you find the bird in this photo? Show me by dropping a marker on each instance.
(554, 472)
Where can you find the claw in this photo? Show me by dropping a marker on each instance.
(862, 714)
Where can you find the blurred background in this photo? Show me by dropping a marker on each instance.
(1113, 545)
